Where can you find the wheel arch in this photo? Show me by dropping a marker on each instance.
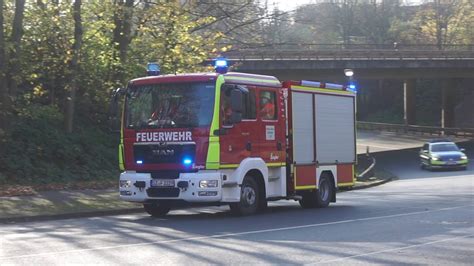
(255, 166)
(258, 177)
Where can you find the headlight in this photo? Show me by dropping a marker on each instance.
(463, 157)
(125, 183)
(435, 158)
(208, 183)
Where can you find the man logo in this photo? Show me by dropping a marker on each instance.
(163, 152)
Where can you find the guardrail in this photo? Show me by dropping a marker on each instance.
(340, 46)
(375, 54)
(301, 51)
(413, 129)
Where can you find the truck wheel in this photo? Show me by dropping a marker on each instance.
(319, 198)
(325, 192)
(249, 198)
(156, 209)
(309, 200)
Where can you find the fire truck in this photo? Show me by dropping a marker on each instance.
(234, 139)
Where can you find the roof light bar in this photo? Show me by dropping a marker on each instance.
(153, 69)
(221, 65)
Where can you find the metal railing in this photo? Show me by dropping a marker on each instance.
(413, 129)
(352, 51)
(341, 47)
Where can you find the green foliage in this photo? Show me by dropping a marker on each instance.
(36, 150)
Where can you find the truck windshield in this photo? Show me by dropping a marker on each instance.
(170, 105)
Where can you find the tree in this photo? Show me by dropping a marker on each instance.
(3, 87)
(123, 15)
(15, 52)
(76, 50)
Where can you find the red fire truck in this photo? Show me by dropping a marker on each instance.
(236, 139)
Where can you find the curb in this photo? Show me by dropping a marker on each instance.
(63, 216)
(374, 184)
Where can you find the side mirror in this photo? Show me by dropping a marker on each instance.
(114, 122)
(462, 150)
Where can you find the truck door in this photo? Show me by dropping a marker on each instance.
(271, 126)
(240, 139)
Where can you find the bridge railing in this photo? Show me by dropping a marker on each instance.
(342, 52)
(340, 47)
(413, 129)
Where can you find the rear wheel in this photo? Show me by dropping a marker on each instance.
(249, 198)
(325, 192)
(321, 197)
(156, 209)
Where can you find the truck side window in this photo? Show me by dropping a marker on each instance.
(250, 106)
(268, 105)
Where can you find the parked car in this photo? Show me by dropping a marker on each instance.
(443, 153)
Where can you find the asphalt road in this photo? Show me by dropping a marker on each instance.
(423, 218)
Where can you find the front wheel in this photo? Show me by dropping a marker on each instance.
(249, 198)
(156, 209)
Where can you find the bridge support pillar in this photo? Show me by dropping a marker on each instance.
(409, 101)
(448, 92)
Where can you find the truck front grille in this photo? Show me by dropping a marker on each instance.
(163, 192)
(166, 153)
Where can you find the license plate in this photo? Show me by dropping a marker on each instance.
(162, 183)
(452, 162)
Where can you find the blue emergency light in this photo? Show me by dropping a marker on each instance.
(187, 161)
(153, 69)
(352, 87)
(220, 65)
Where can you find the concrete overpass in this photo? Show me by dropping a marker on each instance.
(327, 62)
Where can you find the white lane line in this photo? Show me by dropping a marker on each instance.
(392, 249)
(233, 234)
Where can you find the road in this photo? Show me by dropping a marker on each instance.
(423, 218)
(386, 141)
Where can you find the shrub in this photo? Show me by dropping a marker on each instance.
(36, 150)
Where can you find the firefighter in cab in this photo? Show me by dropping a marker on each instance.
(267, 106)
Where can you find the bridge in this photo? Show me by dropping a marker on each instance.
(302, 61)
(370, 62)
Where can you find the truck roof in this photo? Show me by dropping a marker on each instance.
(234, 77)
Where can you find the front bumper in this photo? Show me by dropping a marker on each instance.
(449, 164)
(139, 189)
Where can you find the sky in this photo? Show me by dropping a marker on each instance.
(287, 5)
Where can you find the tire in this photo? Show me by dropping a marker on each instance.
(250, 201)
(321, 197)
(309, 200)
(156, 209)
(325, 192)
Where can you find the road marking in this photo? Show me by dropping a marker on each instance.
(232, 234)
(392, 249)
